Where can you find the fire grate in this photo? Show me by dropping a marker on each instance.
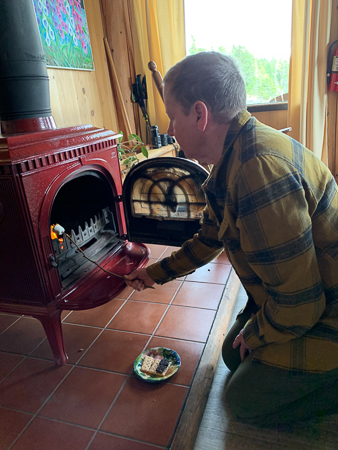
(100, 234)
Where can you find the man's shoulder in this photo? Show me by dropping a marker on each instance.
(269, 151)
(262, 141)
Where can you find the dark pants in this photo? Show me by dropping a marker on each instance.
(263, 395)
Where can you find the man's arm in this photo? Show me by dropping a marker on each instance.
(194, 253)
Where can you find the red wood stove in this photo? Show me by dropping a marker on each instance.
(73, 175)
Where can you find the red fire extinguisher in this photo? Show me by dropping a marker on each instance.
(333, 73)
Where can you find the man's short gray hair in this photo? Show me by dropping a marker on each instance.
(212, 78)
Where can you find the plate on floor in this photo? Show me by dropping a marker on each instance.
(158, 353)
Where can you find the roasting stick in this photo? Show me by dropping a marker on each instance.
(58, 231)
(98, 265)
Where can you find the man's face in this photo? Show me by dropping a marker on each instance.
(181, 125)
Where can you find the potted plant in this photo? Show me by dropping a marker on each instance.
(128, 151)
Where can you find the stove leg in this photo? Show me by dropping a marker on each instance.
(53, 330)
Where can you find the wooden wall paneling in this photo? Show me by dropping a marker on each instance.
(80, 96)
(101, 75)
(64, 103)
(131, 58)
(121, 109)
(262, 117)
(88, 98)
(115, 25)
(75, 98)
(55, 99)
(275, 119)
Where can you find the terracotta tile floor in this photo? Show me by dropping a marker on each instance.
(95, 401)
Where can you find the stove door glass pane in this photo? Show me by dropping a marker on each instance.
(164, 200)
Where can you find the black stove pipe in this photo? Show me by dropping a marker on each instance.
(24, 83)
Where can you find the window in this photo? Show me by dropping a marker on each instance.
(257, 33)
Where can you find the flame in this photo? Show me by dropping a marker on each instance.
(53, 235)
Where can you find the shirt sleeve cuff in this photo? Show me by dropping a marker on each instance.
(156, 273)
(250, 337)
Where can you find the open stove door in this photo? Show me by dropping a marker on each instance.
(164, 201)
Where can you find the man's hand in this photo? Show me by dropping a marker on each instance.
(139, 279)
(243, 349)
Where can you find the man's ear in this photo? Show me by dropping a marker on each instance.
(201, 115)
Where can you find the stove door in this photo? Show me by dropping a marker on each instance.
(163, 200)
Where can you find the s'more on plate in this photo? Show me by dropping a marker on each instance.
(155, 366)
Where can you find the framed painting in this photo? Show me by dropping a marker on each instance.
(64, 33)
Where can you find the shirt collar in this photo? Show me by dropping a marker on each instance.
(236, 127)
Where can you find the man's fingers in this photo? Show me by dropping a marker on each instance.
(131, 276)
(242, 352)
(236, 341)
(136, 284)
(132, 280)
(243, 348)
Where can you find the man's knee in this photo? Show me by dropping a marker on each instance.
(246, 396)
(231, 357)
(239, 404)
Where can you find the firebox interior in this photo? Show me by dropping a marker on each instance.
(84, 206)
(80, 198)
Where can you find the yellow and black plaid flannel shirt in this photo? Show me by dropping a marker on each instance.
(274, 207)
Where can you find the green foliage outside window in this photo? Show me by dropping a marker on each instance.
(264, 79)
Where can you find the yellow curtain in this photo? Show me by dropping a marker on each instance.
(311, 21)
(158, 35)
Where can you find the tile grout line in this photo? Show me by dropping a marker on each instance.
(128, 377)
(19, 363)
(82, 356)
(162, 318)
(183, 306)
(89, 326)
(25, 356)
(156, 446)
(44, 403)
(106, 328)
(57, 387)
(9, 326)
(64, 378)
(109, 409)
(199, 360)
(171, 304)
(102, 330)
(85, 427)
(196, 368)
